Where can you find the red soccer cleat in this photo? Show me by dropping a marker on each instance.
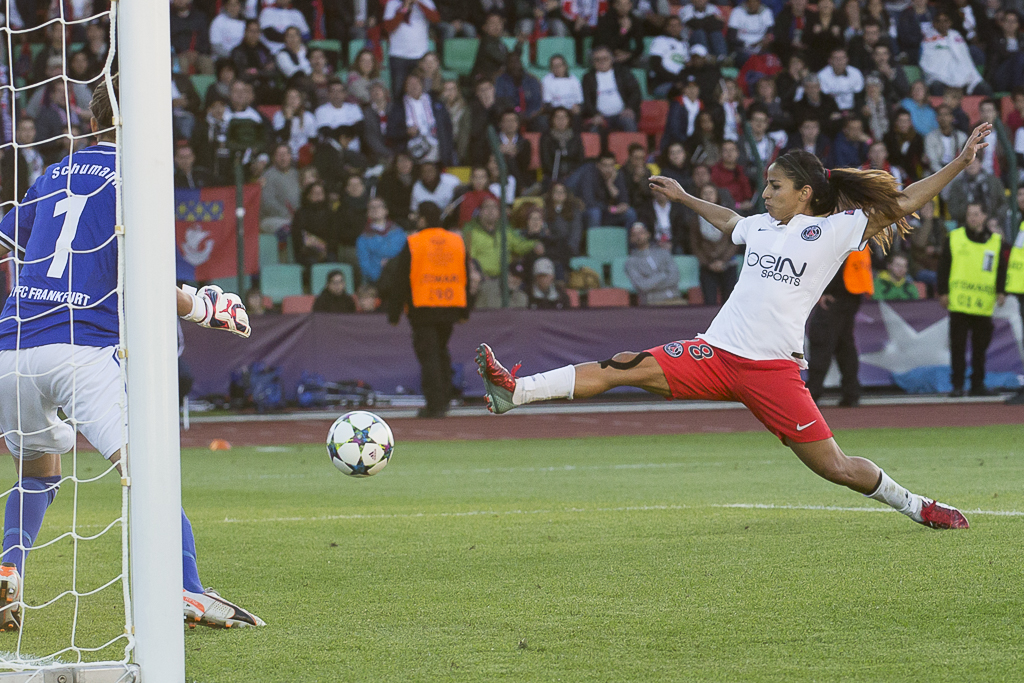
(939, 516)
(499, 383)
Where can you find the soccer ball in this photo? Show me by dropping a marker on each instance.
(360, 443)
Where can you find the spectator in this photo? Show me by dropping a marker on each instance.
(651, 270)
(276, 19)
(728, 174)
(792, 27)
(255, 302)
(375, 116)
(190, 38)
(946, 61)
(226, 73)
(621, 31)
(21, 167)
(893, 283)
(943, 144)
(314, 229)
(334, 298)
(560, 88)
(704, 21)
(516, 150)
(667, 58)
(862, 47)
(875, 108)
(583, 15)
(666, 221)
(840, 80)
(976, 186)
(334, 158)
(184, 103)
(320, 76)
(905, 145)
(395, 187)
(433, 186)
(481, 234)
(338, 111)
(925, 246)
(353, 210)
(603, 191)
(556, 247)
(55, 122)
(483, 112)
(1005, 69)
(810, 139)
(637, 174)
(365, 72)
(876, 10)
(561, 147)
(909, 28)
(240, 106)
(381, 241)
(682, 114)
(750, 30)
(850, 149)
(458, 19)
(419, 123)
(227, 29)
(186, 175)
(766, 96)
(524, 91)
(544, 18)
(729, 113)
(704, 70)
(254, 62)
(294, 124)
(673, 164)
(765, 148)
(815, 104)
(790, 83)
(878, 159)
(474, 194)
(433, 255)
(895, 85)
(563, 214)
(281, 195)
(407, 23)
(292, 59)
(459, 115)
(429, 71)
(209, 142)
(953, 98)
(492, 54)
(826, 33)
(714, 250)
(367, 299)
(971, 286)
(545, 294)
(611, 96)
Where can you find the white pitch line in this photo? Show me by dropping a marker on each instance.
(633, 508)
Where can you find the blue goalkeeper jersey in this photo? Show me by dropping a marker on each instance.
(63, 231)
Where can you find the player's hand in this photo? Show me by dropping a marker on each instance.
(218, 310)
(974, 143)
(668, 188)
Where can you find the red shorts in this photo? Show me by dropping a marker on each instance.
(772, 389)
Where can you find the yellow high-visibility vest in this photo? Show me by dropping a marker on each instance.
(972, 275)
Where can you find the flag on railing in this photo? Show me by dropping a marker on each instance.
(205, 228)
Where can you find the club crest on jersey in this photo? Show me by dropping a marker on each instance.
(674, 349)
(811, 233)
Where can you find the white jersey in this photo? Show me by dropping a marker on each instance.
(785, 270)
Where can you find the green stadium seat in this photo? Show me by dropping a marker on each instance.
(511, 44)
(641, 77)
(268, 250)
(202, 83)
(588, 47)
(75, 47)
(460, 53)
(325, 45)
(228, 284)
(280, 280)
(318, 276)
(913, 73)
(607, 243)
(548, 47)
(689, 272)
(730, 72)
(354, 46)
(619, 277)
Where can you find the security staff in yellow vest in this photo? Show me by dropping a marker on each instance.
(1015, 284)
(971, 283)
(830, 329)
(430, 280)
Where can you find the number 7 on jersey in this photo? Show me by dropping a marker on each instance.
(71, 207)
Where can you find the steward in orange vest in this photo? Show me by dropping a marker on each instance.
(429, 279)
(830, 328)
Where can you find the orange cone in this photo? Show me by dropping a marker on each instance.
(220, 445)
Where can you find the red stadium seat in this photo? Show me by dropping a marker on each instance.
(608, 297)
(534, 139)
(303, 303)
(574, 297)
(1006, 108)
(922, 290)
(591, 145)
(618, 144)
(694, 296)
(652, 116)
(971, 105)
(268, 110)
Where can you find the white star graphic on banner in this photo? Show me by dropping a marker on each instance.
(907, 348)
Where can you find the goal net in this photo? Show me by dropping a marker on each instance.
(65, 331)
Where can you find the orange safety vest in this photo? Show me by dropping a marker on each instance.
(438, 272)
(857, 273)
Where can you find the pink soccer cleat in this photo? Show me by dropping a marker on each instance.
(939, 516)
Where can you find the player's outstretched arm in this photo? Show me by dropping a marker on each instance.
(719, 216)
(923, 191)
(212, 307)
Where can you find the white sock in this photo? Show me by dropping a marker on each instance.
(897, 497)
(558, 383)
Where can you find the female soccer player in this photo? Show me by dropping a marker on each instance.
(753, 350)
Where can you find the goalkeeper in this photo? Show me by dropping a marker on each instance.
(58, 349)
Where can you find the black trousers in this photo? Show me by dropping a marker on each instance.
(830, 334)
(430, 342)
(980, 328)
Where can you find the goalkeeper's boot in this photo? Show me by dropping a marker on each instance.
(10, 597)
(499, 383)
(939, 516)
(209, 609)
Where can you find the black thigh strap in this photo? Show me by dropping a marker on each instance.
(616, 365)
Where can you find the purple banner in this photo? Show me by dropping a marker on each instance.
(364, 346)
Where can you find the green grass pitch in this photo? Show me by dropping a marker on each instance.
(612, 559)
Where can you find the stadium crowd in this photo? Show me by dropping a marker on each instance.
(353, 114)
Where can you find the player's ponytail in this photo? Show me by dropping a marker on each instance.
(841, 189)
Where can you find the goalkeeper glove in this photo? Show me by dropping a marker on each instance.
(213, 308)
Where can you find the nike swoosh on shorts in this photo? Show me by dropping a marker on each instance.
(800, 427)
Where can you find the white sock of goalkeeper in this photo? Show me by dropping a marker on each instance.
(558, 383)
(897, 497)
